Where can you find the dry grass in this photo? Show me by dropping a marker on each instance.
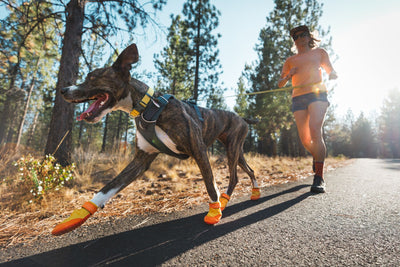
(169, 185)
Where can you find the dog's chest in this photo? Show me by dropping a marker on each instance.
(147, 147)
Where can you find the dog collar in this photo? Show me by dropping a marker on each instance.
(143, 103)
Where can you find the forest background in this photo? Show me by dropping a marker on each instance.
(46, 46)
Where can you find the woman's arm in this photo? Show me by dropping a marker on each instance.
(286, 74)
(326, 64)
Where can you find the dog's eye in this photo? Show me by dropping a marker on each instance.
(91, 78)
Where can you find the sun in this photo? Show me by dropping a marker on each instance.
(367, 64)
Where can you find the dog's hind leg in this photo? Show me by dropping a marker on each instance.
(138, 166)
(234, 147)
(255, 193)
(233, 157)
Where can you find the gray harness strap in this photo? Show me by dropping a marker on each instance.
(193, 104)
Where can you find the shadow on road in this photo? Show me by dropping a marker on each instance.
(155, 244)
(393, 164)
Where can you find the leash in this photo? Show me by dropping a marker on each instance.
(275, 90)
(59, 144)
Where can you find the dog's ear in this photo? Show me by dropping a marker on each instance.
(124, 62)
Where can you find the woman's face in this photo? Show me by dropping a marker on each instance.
(301, 38)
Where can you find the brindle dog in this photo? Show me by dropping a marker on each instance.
(179, 126)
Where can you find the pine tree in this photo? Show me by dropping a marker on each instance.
(389, 128)
(202, 18)
(189, 66)
(174, 62)
(27, 54)
(362, 138)
(241, 101)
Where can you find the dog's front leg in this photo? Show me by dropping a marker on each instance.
(214, 215)
(138, 166)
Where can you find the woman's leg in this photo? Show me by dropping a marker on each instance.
(302, 119)
(309, 124)
(317, 111)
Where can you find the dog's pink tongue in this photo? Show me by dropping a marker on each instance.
(94, 106)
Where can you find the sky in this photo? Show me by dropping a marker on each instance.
(365, 37)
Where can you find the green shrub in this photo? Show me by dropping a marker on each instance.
(43, 176)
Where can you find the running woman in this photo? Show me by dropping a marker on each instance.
(309, 97)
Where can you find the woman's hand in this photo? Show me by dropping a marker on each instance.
(291, 73)
(333, 75)
(283, 81)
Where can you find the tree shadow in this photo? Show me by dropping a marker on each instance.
(392, 164)
(155, 244)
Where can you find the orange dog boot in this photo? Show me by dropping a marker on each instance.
(255, 194)
(223, 199)
(214, 214)
(76, 219)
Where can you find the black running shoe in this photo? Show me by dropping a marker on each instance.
(318, 185)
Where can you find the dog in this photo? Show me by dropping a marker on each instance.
(184, 128)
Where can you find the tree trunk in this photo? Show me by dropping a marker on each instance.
(103, 146)
(249, 142)
(284, 142)
(89, 132)
(7, 107)
(21, 125)
(196, 75)
(119, 128)
(11, 131)
(63, 112)
(32, 130)
(126, 128)
(173, 87)
(267, 146)
(81, 125)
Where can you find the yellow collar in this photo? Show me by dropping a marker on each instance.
(143, 103)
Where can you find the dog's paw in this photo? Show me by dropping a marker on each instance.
(255, 194)
(214, 214)
(223, 199)
(76, 219)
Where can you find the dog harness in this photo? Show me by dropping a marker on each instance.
(143, 103)
(192, 103)
(146, 123)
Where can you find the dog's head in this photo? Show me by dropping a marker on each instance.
(106, 86)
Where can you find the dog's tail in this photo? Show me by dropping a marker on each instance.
(251, 120)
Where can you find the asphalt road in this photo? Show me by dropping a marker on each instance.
(356, 223)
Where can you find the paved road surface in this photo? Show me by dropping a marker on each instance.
(357, 223)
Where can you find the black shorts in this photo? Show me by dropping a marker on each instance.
(301, 102)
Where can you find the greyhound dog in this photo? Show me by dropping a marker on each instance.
(185, 129)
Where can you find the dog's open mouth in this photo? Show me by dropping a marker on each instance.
(100, 103)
